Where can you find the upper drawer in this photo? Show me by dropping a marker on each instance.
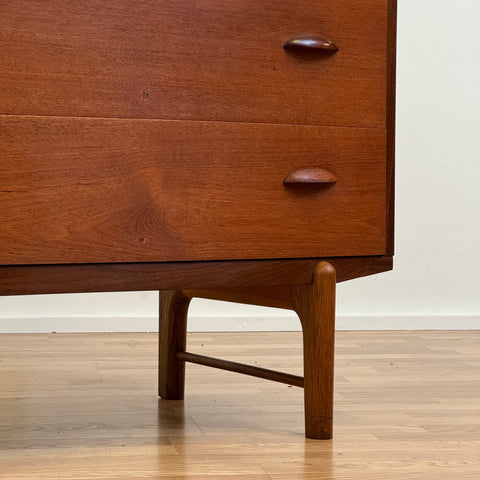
(194, 59)
(83, 190)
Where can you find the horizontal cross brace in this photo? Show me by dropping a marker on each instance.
(242, 368)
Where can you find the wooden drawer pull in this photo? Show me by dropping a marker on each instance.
(310, 175)
(310, 43)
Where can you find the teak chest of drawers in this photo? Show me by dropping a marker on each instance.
(237, 150)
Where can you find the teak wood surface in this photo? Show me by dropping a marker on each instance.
(146, 148)
(202, 60)
(250, 277)
(391, 97)
(99, 191)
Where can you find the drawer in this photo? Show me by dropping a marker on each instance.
(102, 190)
(194, 60)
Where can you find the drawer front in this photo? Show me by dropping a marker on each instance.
(194, 60)
(102, 190)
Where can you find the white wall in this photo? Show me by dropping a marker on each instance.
(436, 281)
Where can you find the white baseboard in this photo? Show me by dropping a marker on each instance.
(237, 323)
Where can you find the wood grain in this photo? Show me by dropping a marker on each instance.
(40, 279)
(315, 306)
(202, 60)
(85, 406)
(101, 191)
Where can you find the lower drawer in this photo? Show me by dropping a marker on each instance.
(78, 190)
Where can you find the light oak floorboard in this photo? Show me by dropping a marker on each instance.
(84, 406)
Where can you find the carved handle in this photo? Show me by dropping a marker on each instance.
(310, 43)
(310, 175)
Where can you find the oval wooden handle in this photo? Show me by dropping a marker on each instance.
(310, 175)
(311, 43)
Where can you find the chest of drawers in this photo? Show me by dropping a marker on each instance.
(231, 150)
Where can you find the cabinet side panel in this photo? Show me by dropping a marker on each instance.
(391, 83)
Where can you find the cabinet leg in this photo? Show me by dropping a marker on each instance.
(172, 339)
(315, 306)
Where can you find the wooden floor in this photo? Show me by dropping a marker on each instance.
(84, 406)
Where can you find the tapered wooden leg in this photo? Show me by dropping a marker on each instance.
(315, 306)
(172, 339)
